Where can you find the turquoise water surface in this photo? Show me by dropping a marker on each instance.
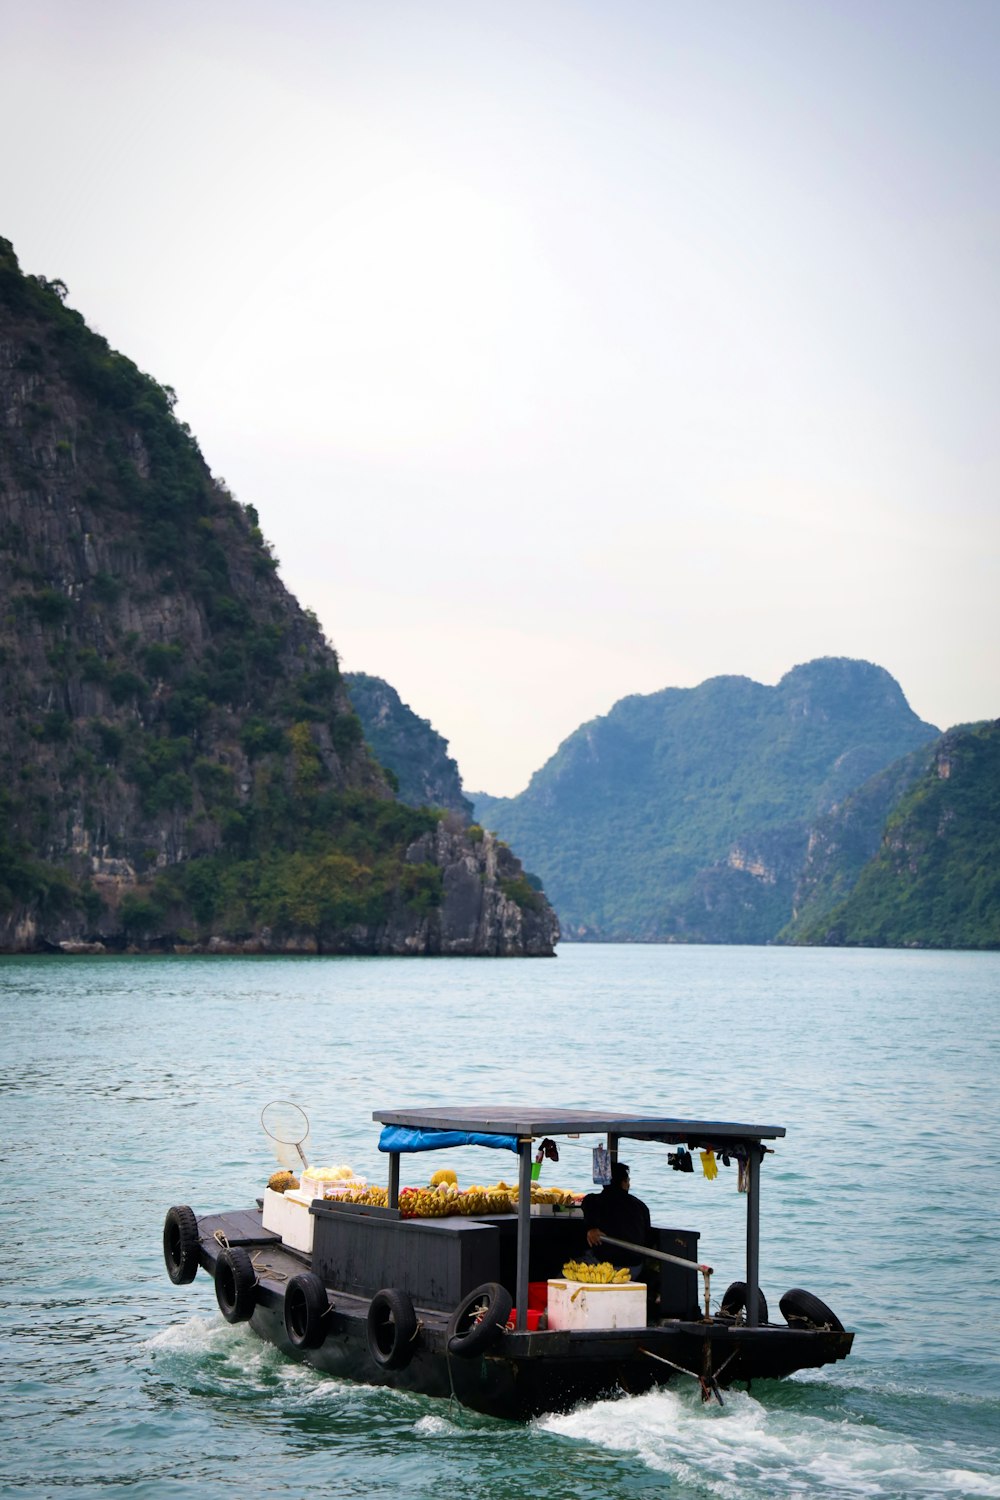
(130, 1084)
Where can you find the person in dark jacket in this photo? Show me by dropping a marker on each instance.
(614, 1211)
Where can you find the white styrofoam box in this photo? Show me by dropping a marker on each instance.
(595, 1304)
(329, 1187)
(288, 1214)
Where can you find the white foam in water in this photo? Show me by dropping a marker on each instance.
(434, 1427)
(212, 1335)
(744, 1450)
(243, 1355)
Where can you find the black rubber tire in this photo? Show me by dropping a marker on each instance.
(479, 1320)
(306, 1307)
(801, 1309)
(735, 1301)
(391, 1328)
(180, 1244)
(235, 1285)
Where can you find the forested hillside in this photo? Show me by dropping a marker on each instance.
(414, 755)
(181, 764)
(842, 841)
(685, 815)
(934, 881)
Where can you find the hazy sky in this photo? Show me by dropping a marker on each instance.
(567, 350)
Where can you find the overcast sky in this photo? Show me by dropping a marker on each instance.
(567, 350)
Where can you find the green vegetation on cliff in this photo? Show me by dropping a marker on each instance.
(842, 841)
(409, 748)
(684, 815)
(179, 757)
(935, 881)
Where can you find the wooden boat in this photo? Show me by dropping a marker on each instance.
(442, 1305)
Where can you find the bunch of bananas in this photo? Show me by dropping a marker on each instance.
(604, 1272)
(485, 1200)
(371, 1197)
(446, 1199)
(426, 1203)
(560, 1196)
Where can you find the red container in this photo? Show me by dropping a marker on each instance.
(538, 1295)
(534, 1313)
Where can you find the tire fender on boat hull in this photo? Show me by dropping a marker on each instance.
(235, 1285)
(391, 1328)
(800, 1309)
(735, 1300)
(180, 1244)
(305, 1311)
(478, 1320)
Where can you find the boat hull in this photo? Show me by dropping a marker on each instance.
(523, 1377)
(522, 1374)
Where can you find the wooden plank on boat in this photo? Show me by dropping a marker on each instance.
(239, 1226)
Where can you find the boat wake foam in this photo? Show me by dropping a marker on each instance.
(746, 1450)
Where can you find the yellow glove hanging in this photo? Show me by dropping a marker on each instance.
(708, 1165)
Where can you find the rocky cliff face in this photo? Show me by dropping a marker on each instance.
(842, 842)
(408, 746)
(181, 764)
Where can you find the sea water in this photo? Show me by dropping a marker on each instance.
(130, 1084)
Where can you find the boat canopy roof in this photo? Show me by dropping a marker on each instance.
(529, 1120)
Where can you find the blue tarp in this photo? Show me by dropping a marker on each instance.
(403, 1138)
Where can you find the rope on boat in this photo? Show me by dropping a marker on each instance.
(260, 1271)
(454, 1405)
(266, 1270)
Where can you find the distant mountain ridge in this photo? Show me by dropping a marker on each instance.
(685, 815)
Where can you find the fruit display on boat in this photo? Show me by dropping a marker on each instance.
(558, 1197)
(281, 1182)
(369, 1197)
(603, 1274)
(447, 1198)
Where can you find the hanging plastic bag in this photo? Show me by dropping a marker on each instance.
(602, 1165)
(708, 1165)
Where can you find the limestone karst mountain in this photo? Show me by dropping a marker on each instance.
(181, 763)
(685, 815)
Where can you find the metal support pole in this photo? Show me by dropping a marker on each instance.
(612, 1148)
(523, 1231)
(753, 1233)
(393, 1179)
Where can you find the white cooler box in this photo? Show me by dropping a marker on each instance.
(288, 1214)
(595, 1305)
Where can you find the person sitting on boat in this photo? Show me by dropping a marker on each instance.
(613, 1211)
